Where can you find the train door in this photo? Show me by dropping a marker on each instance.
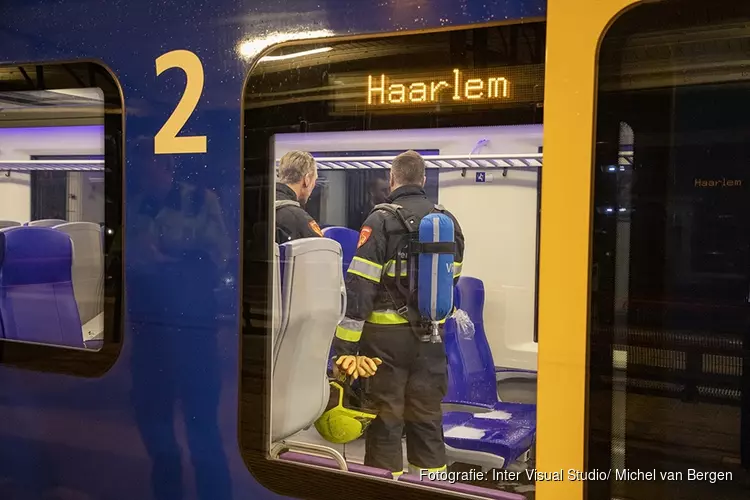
(654, 319)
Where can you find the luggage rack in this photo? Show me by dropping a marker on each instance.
(449, 162)
(503, 162)
(54, 165)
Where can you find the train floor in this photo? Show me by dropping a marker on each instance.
(523, 391)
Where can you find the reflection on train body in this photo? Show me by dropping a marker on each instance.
(669, 333)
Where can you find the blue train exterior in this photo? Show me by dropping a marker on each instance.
(162, 422)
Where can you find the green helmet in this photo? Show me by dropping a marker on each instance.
(340, 423)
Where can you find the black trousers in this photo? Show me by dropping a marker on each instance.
(407, 390)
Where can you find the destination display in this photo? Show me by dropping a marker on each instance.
(398, 90)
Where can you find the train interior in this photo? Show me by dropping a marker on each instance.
(492, 360)
(484, 167)
(485, 170)
(52, 210)
(489, 418)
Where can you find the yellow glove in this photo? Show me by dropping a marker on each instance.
(356, 366)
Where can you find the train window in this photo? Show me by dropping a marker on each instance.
(669, 395)
(60, 217)
(325, 122)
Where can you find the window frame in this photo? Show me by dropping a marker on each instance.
(285, 477)
(574, 31)
(72, 361)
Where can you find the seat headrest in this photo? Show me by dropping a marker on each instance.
(302, 246)
(334, 231)
(79, 226)
(347, 238)
(46, 222)
(342, 235)
(469, 297)
(34, 255)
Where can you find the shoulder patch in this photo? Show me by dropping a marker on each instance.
(364, 235)
(315, 227)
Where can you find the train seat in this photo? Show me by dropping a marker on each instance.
(88, 275)
(492, 440)
(313, 302)
(471, 369)
(45, 223)
(479, 428)
(347, 238)
(37, 302)
(5, 225)
(472, 376)
(467, 489)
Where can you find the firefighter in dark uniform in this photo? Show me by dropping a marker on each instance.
(380, 325)
(297, 176)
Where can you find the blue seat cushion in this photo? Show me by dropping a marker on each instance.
(503, 437)
(522, 414)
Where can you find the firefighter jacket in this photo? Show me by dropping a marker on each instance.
(292, 222)
(370, 279)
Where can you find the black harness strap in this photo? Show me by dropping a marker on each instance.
(405, 301)
(438, 247)
(401, 302)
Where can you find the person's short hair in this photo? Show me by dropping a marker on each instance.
(408, 168)
(294, 166)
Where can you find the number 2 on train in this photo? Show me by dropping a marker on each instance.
(166, 140)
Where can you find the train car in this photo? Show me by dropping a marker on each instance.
(156, 342)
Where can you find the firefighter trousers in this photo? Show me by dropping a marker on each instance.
(407, 392)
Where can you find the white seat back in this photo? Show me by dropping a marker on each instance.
(8, 223)
(47, 222)
(88, 267)
(314, 303)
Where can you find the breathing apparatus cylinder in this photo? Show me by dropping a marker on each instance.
(435, 270)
